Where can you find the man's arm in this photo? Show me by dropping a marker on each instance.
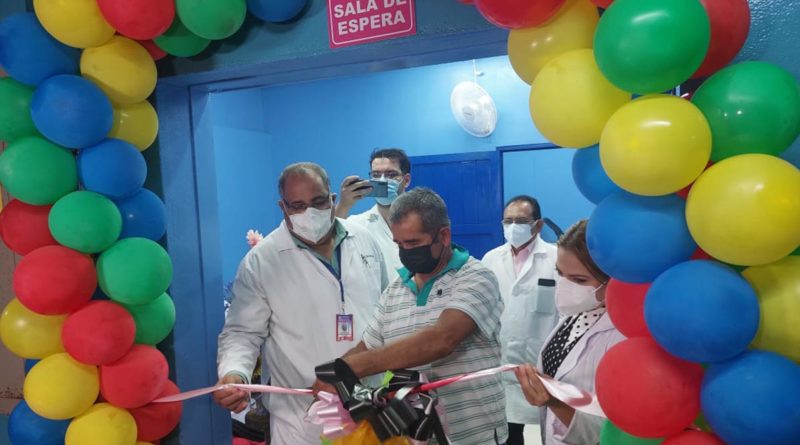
(420, 348)
(349, 193)
(360, 347)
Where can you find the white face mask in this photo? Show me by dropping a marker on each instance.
(517, 234)
(313, 224)
(572, 298)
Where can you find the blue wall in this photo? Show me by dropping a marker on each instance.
(337, 122)
(4, 440)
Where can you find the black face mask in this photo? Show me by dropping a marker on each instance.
(419, 259)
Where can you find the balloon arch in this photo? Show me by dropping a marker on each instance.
(696, 216)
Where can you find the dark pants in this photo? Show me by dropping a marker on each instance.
(515, 436)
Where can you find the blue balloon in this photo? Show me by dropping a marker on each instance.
(635, 238)
(71, 111)
(30, 363)
(276, 10)
(113, 168)
(754, 399)
(589, 176)
(29, 54)
(702, 311)
(143, 216)
(25, 427)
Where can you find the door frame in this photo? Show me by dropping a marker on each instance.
(185, 157)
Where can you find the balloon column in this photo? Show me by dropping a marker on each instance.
(76, 118)
(688, 193)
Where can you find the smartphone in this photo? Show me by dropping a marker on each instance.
(380, 189)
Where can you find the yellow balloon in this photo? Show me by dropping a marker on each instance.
(571, 101)
(778, 289)
(59, 387)
(136, 123)
(77, 23)
(529, 49)
(122, 68)
(102, 424)
(745, 210)
(28, 334)
(655, 145)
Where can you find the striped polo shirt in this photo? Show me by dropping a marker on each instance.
(474, 410)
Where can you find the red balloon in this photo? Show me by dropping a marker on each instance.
(701, 254)
(466, 2)
(625, 304)
(55, 280)
(136, 379)
(23, 227)
(156, 420)
(515, 14)
(155, 52)
(603, 3)
(138, 19)
(99, 333)
(693, 438)
(647, 392)
(730, 23)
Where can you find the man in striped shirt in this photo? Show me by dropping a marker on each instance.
(441, 317)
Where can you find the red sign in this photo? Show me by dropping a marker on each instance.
(354, 22)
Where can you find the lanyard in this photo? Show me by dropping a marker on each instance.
(337, 275)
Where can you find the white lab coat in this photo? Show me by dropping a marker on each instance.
(284, 296)
(528, 318)
(579, 368)
(380, 231)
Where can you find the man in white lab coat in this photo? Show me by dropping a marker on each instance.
(525, 269)
(386, 164)
(307, 290)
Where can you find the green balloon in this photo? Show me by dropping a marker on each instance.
(751, 107)
(646, 46)
(85, 221)
(134, 271)
(37, 171)
(154, 320)
(796, 252)
(15, 112)
(212, 19)
(611, 435)
(702, 423)
(180, 42)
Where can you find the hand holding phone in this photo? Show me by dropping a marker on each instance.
(380, 189)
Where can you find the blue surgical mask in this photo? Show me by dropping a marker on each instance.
(391, 196)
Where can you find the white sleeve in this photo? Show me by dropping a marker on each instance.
(247, 324)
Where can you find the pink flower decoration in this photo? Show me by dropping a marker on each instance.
(253, 237)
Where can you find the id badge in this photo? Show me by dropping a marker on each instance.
(344, 327)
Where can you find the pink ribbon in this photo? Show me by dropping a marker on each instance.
(250, 388)
(329, 412)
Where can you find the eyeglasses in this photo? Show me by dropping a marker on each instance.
(519, 221)
(388, 174)
(320, 203)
